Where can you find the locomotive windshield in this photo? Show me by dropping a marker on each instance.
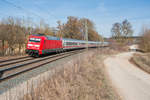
(34, 40)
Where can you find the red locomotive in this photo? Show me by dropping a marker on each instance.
(39, 44)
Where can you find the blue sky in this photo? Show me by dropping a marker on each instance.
(102, 12)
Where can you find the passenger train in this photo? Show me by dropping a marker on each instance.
(39, 44)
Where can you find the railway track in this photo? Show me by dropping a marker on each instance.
(15, 61)
(12, 59)
(20, 68)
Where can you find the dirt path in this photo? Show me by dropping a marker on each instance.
(131, 83)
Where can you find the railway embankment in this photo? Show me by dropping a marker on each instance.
(83, 78)
(80, 77)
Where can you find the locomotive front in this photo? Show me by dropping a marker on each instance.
(34, 46)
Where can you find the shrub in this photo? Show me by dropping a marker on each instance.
(145, 41)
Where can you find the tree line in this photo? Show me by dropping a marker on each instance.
(14, 32)
(75, 28)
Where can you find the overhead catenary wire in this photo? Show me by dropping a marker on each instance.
(30, 12)
(21, 8)
(49, 13)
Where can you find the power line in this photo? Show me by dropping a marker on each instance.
(49, 13)
(29, 12)
(20, 8)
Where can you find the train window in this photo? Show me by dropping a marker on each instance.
(71, 43)
(34, 40)
(52, 38)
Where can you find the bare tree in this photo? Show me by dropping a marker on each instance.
(59, 27)
(12, 34)
(126, 28)
(121, 31)
(116, 30)
(3, 37)
(43, 28)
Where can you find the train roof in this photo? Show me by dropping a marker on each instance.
(48, 37)
(66, 39)
(52, 38)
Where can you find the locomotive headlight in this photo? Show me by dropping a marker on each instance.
(30, 44)
(37, 45)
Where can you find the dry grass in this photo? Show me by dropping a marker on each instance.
(84, 79)
(142, 61)
(145, 41)
(120, 47)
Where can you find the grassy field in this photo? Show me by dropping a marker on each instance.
(84, 79)
(142, 61)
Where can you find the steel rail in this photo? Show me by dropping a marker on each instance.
(22, 60)
(58, 56)
(1, 61)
